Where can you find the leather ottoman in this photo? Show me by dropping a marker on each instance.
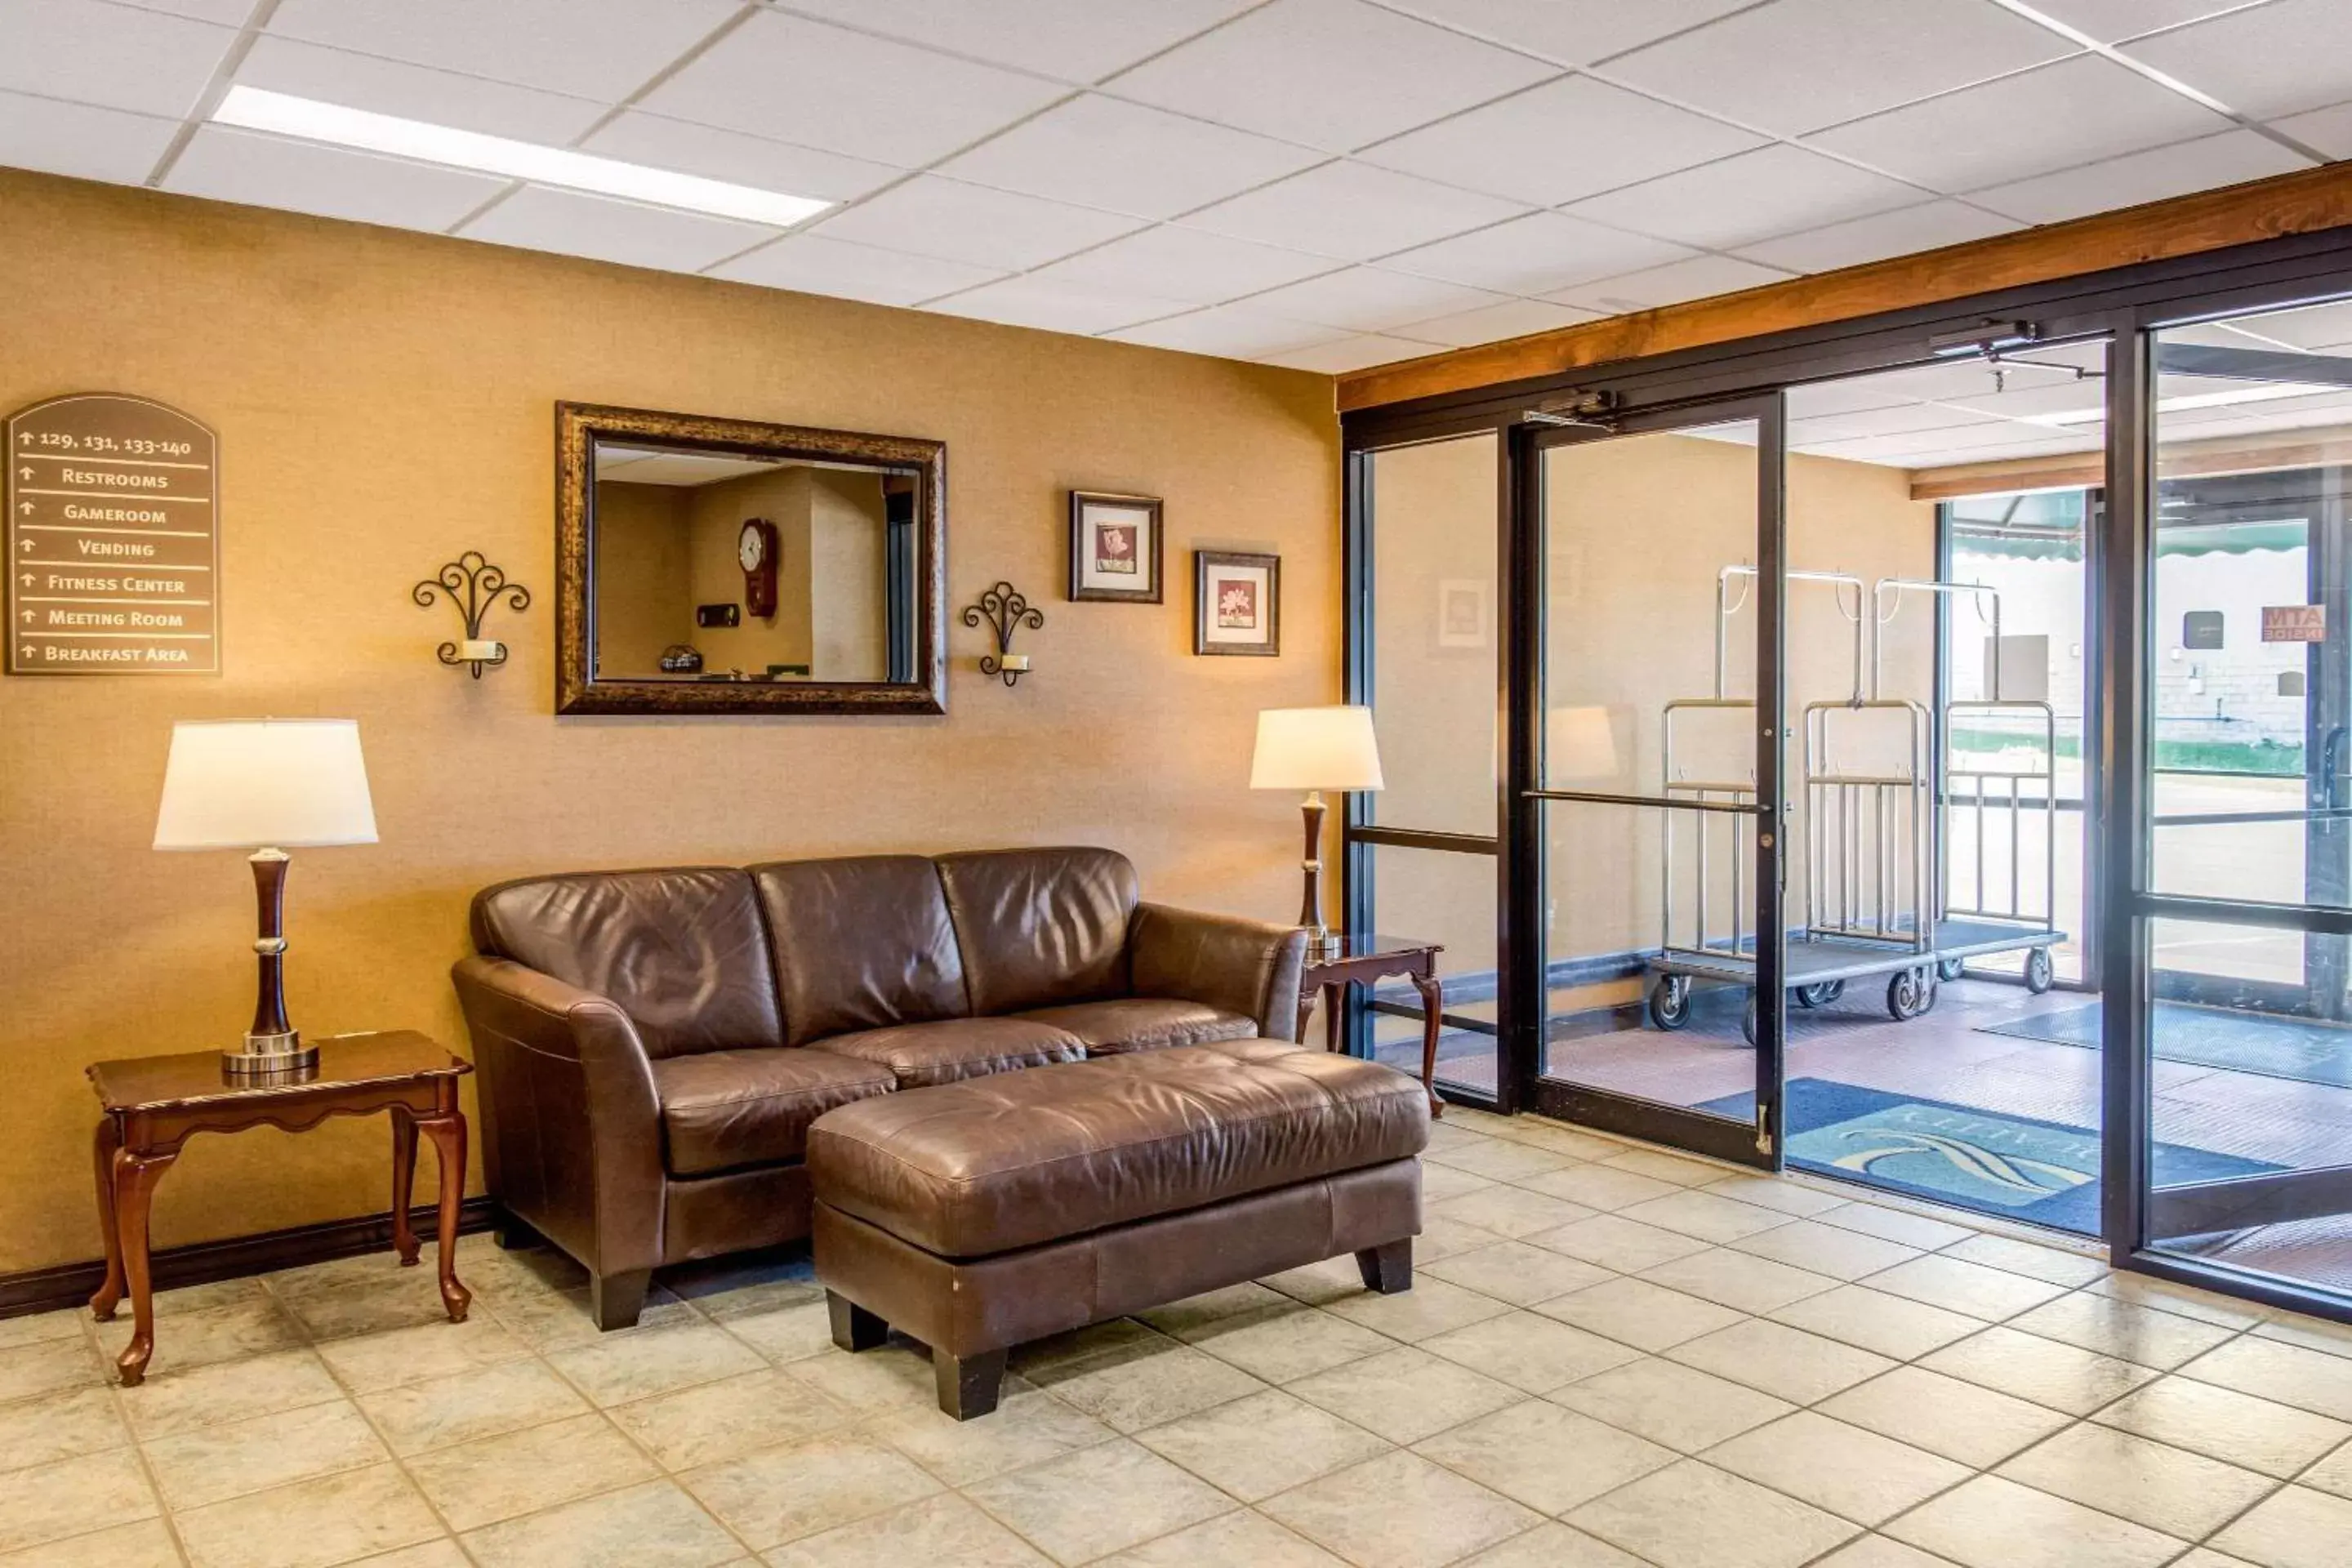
(977, 1216)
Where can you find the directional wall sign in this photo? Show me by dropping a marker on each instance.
(113, 539)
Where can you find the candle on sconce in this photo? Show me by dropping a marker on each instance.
(1018, 663)
(485, 650)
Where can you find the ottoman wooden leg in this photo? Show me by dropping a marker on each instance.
(855, 1328)
(1387, 1269)
(969, 1384)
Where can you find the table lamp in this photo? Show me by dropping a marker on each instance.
(265, 784)
(1316, 749)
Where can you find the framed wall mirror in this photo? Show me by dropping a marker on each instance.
(710, 566)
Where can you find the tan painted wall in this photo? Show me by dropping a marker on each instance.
(384, 401)
(642, 560)
(716, 514)
(848, 621)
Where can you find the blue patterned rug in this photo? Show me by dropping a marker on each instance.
(2040, 1172)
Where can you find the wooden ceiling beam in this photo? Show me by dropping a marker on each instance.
(2302, 202)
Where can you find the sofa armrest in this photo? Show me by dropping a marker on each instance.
(1245, 966)
(572, 1136)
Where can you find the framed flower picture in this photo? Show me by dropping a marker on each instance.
(1236, 602)
(1115, 548)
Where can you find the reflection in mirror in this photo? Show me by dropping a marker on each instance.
(717, 566)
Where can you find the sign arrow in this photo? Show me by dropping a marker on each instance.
(25, 507)
(28, 618)
(24, 473)
(25, 438)
(27, 651)
(26, 579)
(26, 545)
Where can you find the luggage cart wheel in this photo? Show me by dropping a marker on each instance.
(1670, 1001)
(1950, 968)
(1820, 993)
(2040, 975)
(1748, 1020)
(1910, 993)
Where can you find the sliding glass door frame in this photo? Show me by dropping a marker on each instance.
(1758, 1144)
(2125, 304)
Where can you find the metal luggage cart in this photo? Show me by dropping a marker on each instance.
(1877, 855)
(1983, 926)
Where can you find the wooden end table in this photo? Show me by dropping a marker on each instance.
(1362, 960)
(154, 1104)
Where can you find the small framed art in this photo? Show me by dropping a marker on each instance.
(1236, 602)
(1115, 548)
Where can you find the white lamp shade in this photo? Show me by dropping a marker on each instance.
(1316, 749)
(247, 783)
(1579, 743)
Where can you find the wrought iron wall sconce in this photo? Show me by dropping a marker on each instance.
(1005, 609)
(473, 586)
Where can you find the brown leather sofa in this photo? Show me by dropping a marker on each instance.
(653, 1045)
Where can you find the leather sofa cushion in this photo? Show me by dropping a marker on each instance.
(922, 1054)
(683, 953)
(1039, 927)
(860, 943)
(723, 1110)
(988, 1165)
(1144, 1023)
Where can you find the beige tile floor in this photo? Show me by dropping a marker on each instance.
(1614, 1357)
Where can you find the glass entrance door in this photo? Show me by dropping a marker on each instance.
(1648, 832)
(2244, 1080)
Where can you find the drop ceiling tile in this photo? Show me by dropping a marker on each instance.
(2075, 111)
(1903, 419)
(602, 229)
(1749, 197)
(2329, 129)
(1359, 353)
(1054, 306)
(88, 52)
(1898, 233)
(947, 218)
(1833, 60)
(1493, 324)
(416, 92)
(2110, 21)
(1367, 299)
(1698, 277)
(332, 181)
(1226, 332)
(1535, 254)
(754, 161)
(1351, 211)
(1076, 40)
(1848, 395)
(1334, 74)
(2328, 326)
(1185, 264)
(822, 86)
(604, 50)
(1573, 32)
(1559, 141)
(80, 139)
(815, 265)
(1126, 157)
(2266, 61)
(2204, 164)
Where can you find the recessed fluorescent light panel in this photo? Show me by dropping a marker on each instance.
(252, 109)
